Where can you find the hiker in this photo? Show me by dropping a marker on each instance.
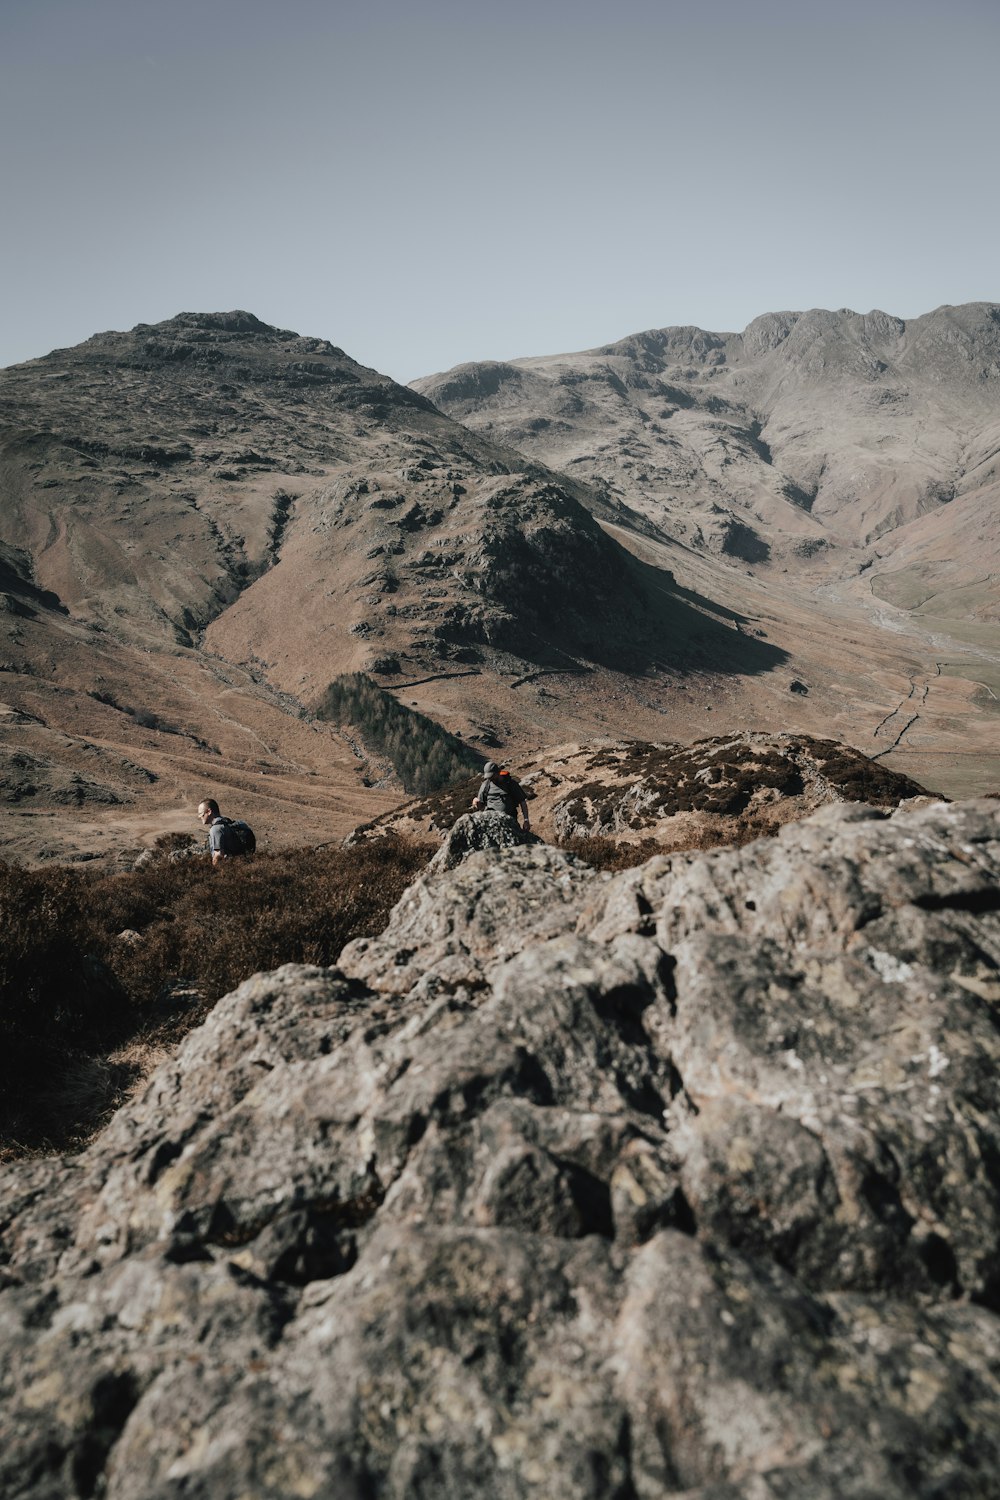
(226, 836)
(501, 793)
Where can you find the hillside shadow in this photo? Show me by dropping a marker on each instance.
(692, 633)
(564, 598)
(698, 601)
(23, 596)
(650, 622)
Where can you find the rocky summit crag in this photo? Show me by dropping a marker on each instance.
(677, 1182)
(722, 790)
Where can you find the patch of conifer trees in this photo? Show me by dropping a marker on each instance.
(425, 757)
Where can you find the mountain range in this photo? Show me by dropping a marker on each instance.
(206, 521)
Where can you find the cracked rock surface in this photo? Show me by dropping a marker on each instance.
(682, 1181)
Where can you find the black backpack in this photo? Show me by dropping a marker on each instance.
(237, 837)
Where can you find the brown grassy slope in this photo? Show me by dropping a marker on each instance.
(104, 746)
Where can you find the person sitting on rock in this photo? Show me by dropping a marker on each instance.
(502, 794)
(226, 836)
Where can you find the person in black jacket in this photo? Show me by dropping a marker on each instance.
(501, 793)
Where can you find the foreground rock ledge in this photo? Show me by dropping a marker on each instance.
(683, 1181)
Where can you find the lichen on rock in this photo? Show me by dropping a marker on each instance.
(680, 1181)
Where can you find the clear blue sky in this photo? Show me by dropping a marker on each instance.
(431, 181)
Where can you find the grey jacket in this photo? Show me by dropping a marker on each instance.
(503, 797)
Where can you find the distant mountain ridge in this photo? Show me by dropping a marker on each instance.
(810, 430)
(204, 521)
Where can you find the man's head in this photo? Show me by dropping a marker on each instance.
(208, 810)
(491, 769)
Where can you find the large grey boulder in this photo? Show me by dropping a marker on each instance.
(447, 933)
(682, 1181)
(837, 993)
(479, 831)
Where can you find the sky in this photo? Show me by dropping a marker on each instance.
(426, 182)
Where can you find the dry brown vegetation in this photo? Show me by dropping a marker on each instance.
(85, 1011)
(621, 854)
(441, 810)
(724, 776)
(610, 854)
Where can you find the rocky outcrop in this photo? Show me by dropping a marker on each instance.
(722, 790)
(474, 832)
(728, 783)
(682, 1181)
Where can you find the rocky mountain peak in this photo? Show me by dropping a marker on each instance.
(237, 321)
(208, 342)
(768, 331)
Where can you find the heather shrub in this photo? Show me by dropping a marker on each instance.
(56, 998)
(177, 843)
(41, 923)
(50, 984)
(607, 854)
(214, 926)
(79, 1003)
(442, 809)
(723, 833)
